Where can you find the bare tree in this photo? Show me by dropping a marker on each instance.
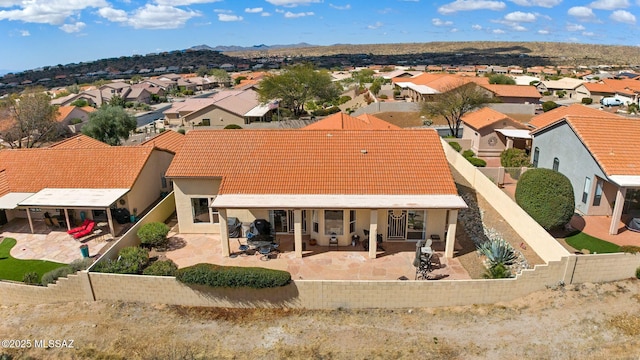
(33, 120)
(454, 102)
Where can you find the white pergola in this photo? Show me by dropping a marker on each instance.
(61, 198)
(623, 182)
(299, 202)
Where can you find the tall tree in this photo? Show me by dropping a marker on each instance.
(221, 76)
(110, 124)
(296, 86)
(454, 102)
(32, 120)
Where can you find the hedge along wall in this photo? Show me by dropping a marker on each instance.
(72, 288)
(538, 238)
(464, 143)
(160, 212)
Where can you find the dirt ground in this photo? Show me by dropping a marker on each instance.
(588, 321)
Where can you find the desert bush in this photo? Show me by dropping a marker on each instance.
(638, 273)
(182, 131)
(549, 105)
(131, 260)
(587, 101)
(31, 278)
(154, 234)
(383, 96)
(325, 112)
(498, 271)
(630, 249)
(53, 275)
(81, 264)
(343, 99)
(498, 251)
(455, 146)
(477, 162)
(547, 196)
(514, 158)
(161, 268)
(468, 153)
(233, 126)
(233, 276)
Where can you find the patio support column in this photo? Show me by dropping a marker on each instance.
(509, 143)
(297, 232)
(451, 233)
(224, 232)
(110, 221)
(30, 221)
(373, 234)
(66, 217)
(617, 210)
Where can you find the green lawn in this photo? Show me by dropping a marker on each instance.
(14, 269)
(581, 241)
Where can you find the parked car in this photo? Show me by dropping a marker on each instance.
(610, 101)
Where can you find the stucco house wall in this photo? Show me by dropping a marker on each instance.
(219, 118)
(187, 189)
(148, 186)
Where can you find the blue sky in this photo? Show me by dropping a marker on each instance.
(36, 33)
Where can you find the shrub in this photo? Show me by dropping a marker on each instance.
(81, 264)
(75, 121)
(153, 234)
(343, 99)
(182, 131)
(233, 126)
(31, 278)
(638, 273)
(455, 146)
(587, 101)
(233, 276)
(497, 252)
(383, 96)
(498, 271)
(547, 196)
(477, 162)
(131, 260)
(53, 275)
(549, 105)
(161, 268)
(325, 112)
(630, 249)
(514, 158)
(468, 153)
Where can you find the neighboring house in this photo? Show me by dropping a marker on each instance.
(74, 117)
(600, 157)
(219, 110)
(429, 86)
(558, 113)
(595, 91)
(514, 94)
(342, 121)
(312, 183)
(568, 85)
(491, 132)
(138, 95)
(79, 176)
(167, 140)
(78, 142)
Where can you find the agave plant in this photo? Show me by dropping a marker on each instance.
(498, 251)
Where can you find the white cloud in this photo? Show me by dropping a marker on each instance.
(159, 17)
(292, 3)
(540, 3)
(52, 12)
(253, 10)
(520, 16)
(438, 22)
(454, 30)
(498, 31)
(468, 5)
(377, 25)
(114, 15)
(265, 14)
(609, 4)
(476, 27)
(228, 17)
(519, 28)
(623, 16)
(73, 28)
(543, 32)
(25, 33)
(344, 7)
(588, 33)
(290, 15)
(574, 27)
(582, 13)
(184, 2)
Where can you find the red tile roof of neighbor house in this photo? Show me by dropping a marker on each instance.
(614, 146)
(442, 82)
(4, 184)
(552, 116)
(112, 167)
(599, 88)
(527, 91)
(63, 112)
(167, 140)
(78, 142)
(342, 121)
(328, 162)
(486, 116)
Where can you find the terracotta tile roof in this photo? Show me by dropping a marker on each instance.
(614, 146)
(63, 112)
(527, 91)
(599, 87)
(111, 167)
(4, 184)
(442, 82)
(78, 142)
(317, 161)
(560, 112)
(167, 140)
(342, 121)
(485, 117)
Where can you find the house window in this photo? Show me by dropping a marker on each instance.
(416, 224)
(556, 164)
(314, 220)
(352, 221)
(536, 155)
(206, 122)
(202, 212)
(333, 222)
(598, 195)
(585, 191)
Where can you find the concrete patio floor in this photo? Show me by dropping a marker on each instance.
(50, 244)
(317, 263)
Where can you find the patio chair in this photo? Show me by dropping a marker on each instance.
(79, 228)
(87, 230)
(56, 222)
(48, 222)
(333, 240)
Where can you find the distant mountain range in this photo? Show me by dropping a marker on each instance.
(234, 48)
